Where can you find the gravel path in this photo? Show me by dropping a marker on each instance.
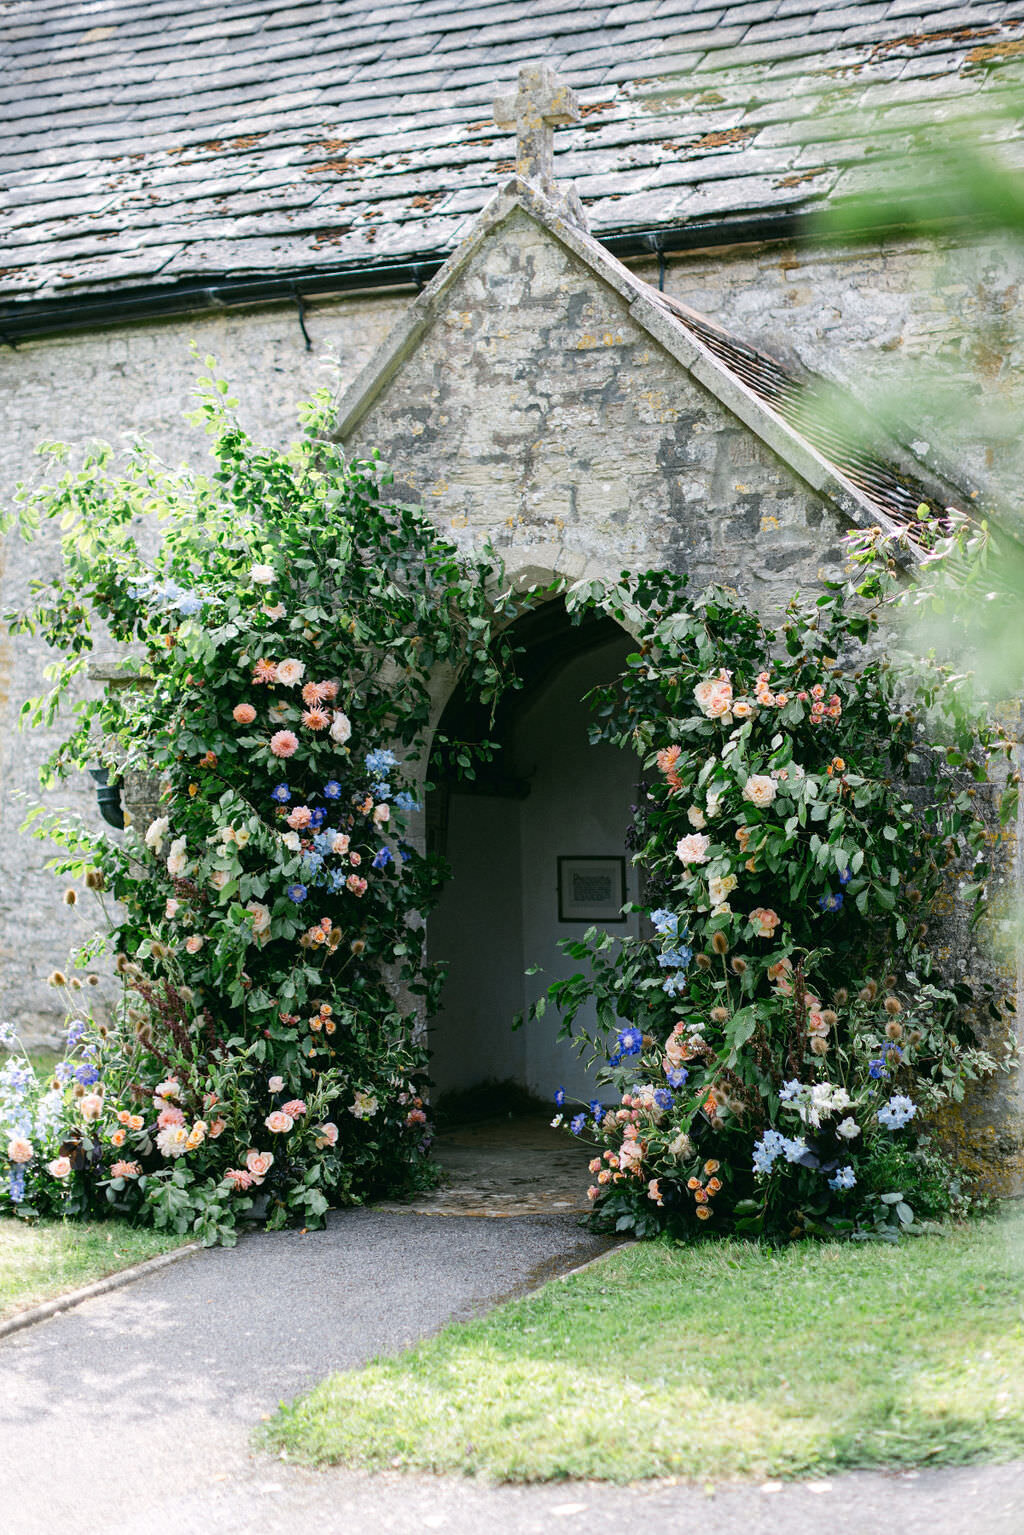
(132, 1413)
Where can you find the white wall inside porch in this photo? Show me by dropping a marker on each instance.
(499, 913)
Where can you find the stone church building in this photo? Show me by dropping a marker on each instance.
(580, 322)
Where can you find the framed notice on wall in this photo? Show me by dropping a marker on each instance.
(591, 889)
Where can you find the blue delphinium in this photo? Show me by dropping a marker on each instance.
(663, 1099)
(332, 789)
(899, 1111)
(188, 604)
(404, 852)
(381, 858)
(876, 1069)
(845, 1178)
(560, 1096)
(16, 1184)
(666, 923)
(76, 1028)
(381, 789)
(577, 1123)
(324, 841)
(789, 1090)
(845, 875)
(832, 901)
(673, 984)
(297, 893)
(676, 1076)
(281, 793)
(406, 802)
(675, 959)
(87, 1075)
(772, 1145)
(379, 761)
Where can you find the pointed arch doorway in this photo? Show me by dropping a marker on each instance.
(516, 838)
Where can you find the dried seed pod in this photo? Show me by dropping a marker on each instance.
(720, 943)
(893, 1006)
(70, 896)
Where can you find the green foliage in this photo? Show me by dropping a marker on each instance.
(278, 648)
(816, 811)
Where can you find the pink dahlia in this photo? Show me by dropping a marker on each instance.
(284, 743)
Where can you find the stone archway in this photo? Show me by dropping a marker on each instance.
(548, 794)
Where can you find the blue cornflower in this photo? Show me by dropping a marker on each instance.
(576, 1125)
(630, 1041)
(76, 1028)
(281, 793)
(317, 817)
(381, 858)
(666, 923)
(845, 1178)
(87, 1075)
(616, 1059)
(846, 875)
(899, 1111)
(789, 1090)
(7, 1033)
(596, 1108)
(560, 1096)
(297, 893)
(831, 901)
(877, 1070)
(63, 1071)
(405, 852)
(379, 761)
(332, 789)
(676, 1076)
(405, 801)
(663, 1098)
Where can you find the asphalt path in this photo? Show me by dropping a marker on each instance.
(132, 1413)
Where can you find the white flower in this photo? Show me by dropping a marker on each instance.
(177, 863)
(365, 1106)
(260, 915)
(848, 1128)
(723, 909)
(714, 697)
(156, 833)
(720, 887)
(290, 671)
(275, 1084)
(219, 878)
(556, 1122)
(292, 840)
(695, 816)
(173, 1140)
(714, 804)
(693, 849)
(759, 789)
(262, 575)
(341, 728)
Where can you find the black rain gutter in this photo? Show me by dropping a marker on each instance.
(21, 320)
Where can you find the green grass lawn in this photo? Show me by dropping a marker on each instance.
(720, 1360)
(40, 1261)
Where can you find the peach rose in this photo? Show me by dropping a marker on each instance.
(693, 849)
(381, 814)
(135, 1122)
(91, 1106)
(279, 1122)
(764, 921)
(356, 885)
(275, 1084)
(60, 1167)
(122, 1169)
(259, 1163)
(243, 714)
(327, 1134)
(341, 728)
(217, 1128)
(299, 818)
(119, 1137)
(760, 790)
(341, 843)
(19, 1149)
(295, 1107)
(193, 943)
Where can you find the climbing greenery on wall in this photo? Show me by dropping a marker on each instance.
(776, 1043)
(268, 925)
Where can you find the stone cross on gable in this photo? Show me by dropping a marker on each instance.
(541, 103)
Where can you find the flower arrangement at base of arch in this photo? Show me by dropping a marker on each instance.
(266, 1060)
(774, 1043)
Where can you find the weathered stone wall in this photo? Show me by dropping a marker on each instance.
(659, 455)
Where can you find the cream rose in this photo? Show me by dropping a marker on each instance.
(177, 863)
(290, 671)
(60, 1167)
(279, 1122)
(760, 790)
(19, 1149)
(764, 921)
(693, 849)
(156, 833)
(262, 575)
(259, 1164)
(695, 816)
(341, 728)
(721, 887)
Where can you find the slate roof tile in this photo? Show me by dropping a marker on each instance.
(303, 133)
